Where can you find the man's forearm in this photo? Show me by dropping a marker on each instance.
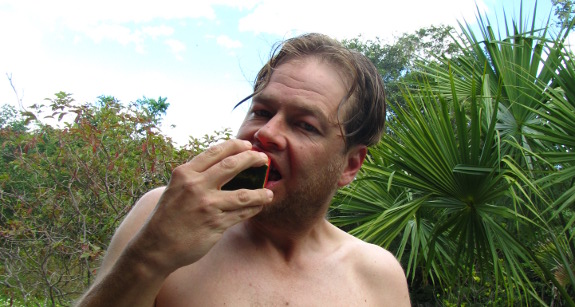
(130, 282)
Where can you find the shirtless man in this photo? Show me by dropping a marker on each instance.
(315, 109)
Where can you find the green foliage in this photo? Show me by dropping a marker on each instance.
(153, 108)
(473, 186)
(9, 119)
(397, 61)
(564, 11)
(69, 174)
(508, 63)
(449, 195)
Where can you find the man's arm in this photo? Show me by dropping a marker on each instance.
(120, 271)
(176, 226)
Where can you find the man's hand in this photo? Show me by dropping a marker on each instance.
(158, 237)
(193, 212)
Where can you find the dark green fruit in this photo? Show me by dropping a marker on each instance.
(251, 178)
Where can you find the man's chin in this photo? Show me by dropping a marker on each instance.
(277, 213)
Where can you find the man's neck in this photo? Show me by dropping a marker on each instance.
(288, 243)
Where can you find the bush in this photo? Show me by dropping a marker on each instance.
(69, 174)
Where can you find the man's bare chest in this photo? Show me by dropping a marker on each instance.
(238, 285)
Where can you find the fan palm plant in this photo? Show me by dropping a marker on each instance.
(437, 191)
(556, 130)
(455, 188)
(512, 61)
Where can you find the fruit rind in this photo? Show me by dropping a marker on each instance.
(251, 178)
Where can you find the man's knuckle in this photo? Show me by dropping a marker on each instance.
(178, 171)
(206, 204)
(243, 196)
(214, 150)
(215, 223)
(229, 163)
(193, 185)
(239, 143)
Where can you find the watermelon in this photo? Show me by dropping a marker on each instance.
(251, 178)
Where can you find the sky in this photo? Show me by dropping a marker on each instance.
(201, 55)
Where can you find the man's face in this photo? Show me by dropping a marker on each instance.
(293, 120)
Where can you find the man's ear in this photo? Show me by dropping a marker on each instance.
(354, 160)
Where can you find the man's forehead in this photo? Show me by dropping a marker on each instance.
(336, 68)
(273, 100)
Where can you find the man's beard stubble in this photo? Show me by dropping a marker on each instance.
(306, 203)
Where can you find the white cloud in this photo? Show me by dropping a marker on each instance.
(121, 34)
(82, 13)
(126, 36)
(177, 47)
(227, 42)
(156, 31)
(118, 33)
(122, 21)
(21, 39)
(369, 18)
(204, 112)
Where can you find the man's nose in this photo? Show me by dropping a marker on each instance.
(271, 136)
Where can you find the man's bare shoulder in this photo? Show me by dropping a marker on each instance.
(141, 211)
(378, 269)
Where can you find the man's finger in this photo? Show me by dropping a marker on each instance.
(216, 153)
(236, 216)
(243, 198)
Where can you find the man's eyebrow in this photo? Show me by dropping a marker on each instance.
(302, 108)
(313, 111)
(261, 99)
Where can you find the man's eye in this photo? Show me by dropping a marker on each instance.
(307, 127)
(262, 113)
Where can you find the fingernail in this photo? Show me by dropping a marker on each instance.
(248, 144)
(269, 194)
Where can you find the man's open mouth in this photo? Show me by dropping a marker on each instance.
(274, 174)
